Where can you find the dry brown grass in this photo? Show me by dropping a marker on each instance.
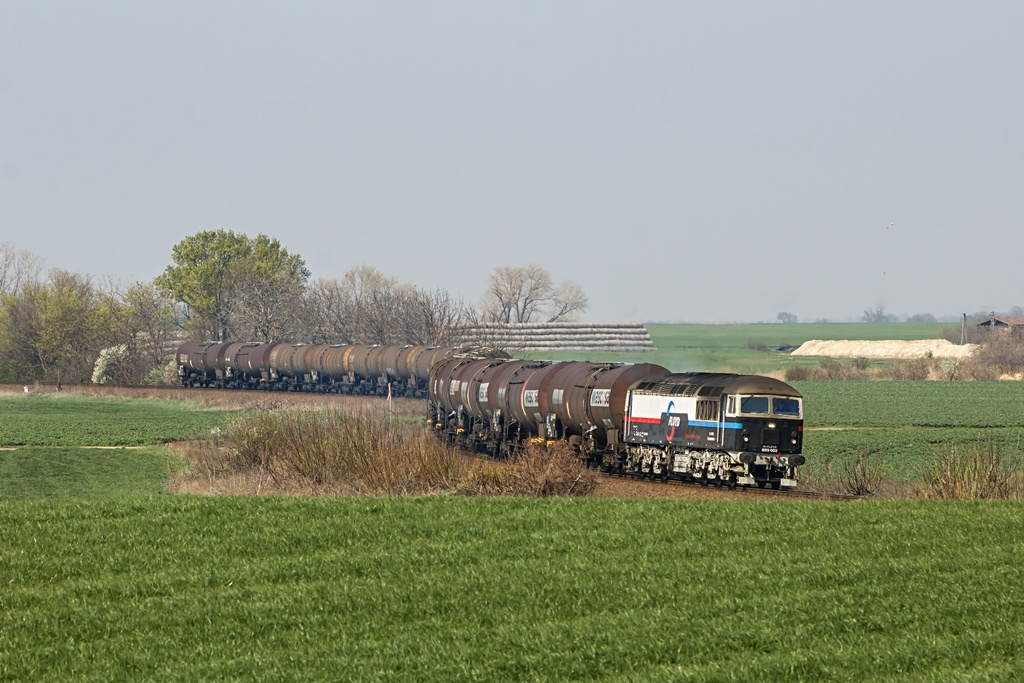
(330, 452)
(980, 471)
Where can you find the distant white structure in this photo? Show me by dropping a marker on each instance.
(892, 348)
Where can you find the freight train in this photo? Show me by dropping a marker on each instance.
(639, 419)
(320, 368)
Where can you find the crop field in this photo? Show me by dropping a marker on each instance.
(748, 347)
(912, 404)
(467, 589)
(53, 420)
(906, 427)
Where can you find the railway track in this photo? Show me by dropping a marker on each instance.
(739, 491)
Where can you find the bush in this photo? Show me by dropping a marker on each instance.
(330, 452)
(979, 472)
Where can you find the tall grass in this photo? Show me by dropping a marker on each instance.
(332, 452)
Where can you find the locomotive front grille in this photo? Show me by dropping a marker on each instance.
(770, 437)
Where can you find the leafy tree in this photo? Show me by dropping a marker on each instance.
(787, 318)
(71, 325)
(224, 279)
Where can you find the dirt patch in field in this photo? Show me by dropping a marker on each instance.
(893, 348)
(626, 487)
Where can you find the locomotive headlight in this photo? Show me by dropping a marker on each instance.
(771, 425)
(793, 436)
(746, 435)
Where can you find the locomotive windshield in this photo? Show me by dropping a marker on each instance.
(754, 405)
(780, 406)
(787, 407)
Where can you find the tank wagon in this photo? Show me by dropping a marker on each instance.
(640, 419)
(333, 368)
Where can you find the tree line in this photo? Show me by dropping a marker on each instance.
(222, 285)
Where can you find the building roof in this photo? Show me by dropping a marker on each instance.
(1003, 321)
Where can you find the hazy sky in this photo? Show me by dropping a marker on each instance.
(711, 161)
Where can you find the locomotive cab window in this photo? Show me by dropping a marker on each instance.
(786, 407)
(731, 406)
(754, 405)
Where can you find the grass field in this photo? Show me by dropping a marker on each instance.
(54, 420)
(499, 589)
(735, 348)
(61, 473)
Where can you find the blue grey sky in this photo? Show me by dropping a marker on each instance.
(703, 162)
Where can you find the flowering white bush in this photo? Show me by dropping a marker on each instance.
(108, 356)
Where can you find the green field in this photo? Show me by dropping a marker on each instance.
(727, 348)
(63, 445)
(61, 473)
(906, 427)
(52, 420)
(912, 404)
(499, 589)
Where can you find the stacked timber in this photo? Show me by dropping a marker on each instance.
(558, 336)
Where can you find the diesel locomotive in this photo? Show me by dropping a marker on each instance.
(639, 419)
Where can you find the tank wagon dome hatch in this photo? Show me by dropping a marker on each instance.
(713, 384)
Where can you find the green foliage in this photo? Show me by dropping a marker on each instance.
(34, 473)
(213, 271)
(55, 329)
(554, 589)
(72, 421)
(52, 328)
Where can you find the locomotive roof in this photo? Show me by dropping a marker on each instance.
(712, 384)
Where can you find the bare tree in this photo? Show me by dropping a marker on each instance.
(877, 315)
(263, 306)
(520, 294)
(326, 313)
(567, 301)
(432, 317)
(17, 268)
(367, 307)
